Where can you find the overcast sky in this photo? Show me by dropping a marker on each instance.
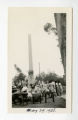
(23, 21)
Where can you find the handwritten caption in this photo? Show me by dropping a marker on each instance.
(41, 110)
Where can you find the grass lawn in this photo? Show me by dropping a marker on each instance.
(60, 102)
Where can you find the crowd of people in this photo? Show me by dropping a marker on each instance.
(42, 89)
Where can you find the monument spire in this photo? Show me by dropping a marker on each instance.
(30, 60)
(30, 53)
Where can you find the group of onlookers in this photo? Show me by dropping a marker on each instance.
(43, 89)
(40, 87)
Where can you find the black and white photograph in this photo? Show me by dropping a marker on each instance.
(39, 58)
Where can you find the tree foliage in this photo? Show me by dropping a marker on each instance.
(17, 80)
(50, 77)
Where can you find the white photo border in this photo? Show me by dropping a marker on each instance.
(3, 59)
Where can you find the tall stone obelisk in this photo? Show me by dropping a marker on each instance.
(30, 73)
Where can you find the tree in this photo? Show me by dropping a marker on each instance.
(19, 78)
(49, 77)
(48, 27)
(60, 30)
